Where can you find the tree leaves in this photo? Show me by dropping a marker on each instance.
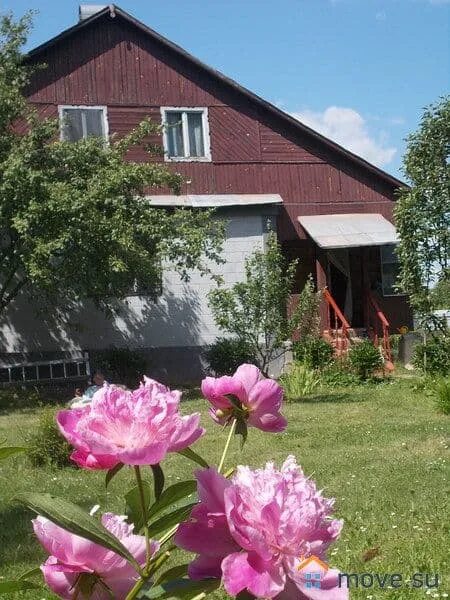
(74, 519)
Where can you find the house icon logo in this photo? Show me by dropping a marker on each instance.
(313, 570)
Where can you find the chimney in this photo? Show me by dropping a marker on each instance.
(87, 10)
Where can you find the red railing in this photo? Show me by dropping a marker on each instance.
(378, 326)
(337, 323)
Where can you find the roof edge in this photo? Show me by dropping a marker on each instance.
(113, 11)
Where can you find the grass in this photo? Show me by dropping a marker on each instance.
(380, 450)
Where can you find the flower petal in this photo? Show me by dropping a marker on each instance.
(243, 570)
(248, 375)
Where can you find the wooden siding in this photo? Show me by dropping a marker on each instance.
(112, 63)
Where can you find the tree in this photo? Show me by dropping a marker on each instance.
(423, 211)
(74, 223)
(441, 292)
(255, 310)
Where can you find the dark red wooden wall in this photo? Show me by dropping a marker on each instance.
(111, 62)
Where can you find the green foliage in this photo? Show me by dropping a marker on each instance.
(46, 446)
(314, 352)
(365, 359)
(255, 310)
(226, 354)
(16, 397)
(422, 216)
(299, 381)
(73, 221)
(122, 365)
(433, 357)
(440, 294)
(443, 396)
(338, 374)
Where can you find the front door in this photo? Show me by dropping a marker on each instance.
(340, 281)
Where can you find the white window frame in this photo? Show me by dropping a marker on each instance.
(205, 127)
(382, 263)
(104, 110)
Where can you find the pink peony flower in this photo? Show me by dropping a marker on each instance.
(133, 428)
(72, 556)
(255, 530)
(258, 399)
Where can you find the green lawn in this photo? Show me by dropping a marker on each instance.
(380, 450)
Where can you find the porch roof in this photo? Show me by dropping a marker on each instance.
(349, 230)
(214, 200)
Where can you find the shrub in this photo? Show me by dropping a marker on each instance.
(226, 354)
(315, 352)
(433, 357)
(443, 396)
(300, 380)
(338, 374)
(46, 446)
(365, 359)
(122, 365)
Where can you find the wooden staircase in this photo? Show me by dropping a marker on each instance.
(339, 333)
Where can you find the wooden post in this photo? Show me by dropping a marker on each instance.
(321, 280)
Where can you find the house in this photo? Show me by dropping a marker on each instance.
(238, 153)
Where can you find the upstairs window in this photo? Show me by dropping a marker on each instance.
(390, 270)
(186, 135)
(80, 122)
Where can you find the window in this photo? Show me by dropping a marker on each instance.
(186, 134)
(80, 122)
(390, 269)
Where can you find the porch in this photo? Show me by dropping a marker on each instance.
(352, 259)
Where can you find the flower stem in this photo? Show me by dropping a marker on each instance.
(227, 445)
(137, 472)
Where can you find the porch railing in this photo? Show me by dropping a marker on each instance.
(378, 326)
(337, 323)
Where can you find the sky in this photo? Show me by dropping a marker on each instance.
(358, 71)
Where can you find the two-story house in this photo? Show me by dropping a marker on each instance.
(239, 154)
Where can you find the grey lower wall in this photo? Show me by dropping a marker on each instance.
(172, 331)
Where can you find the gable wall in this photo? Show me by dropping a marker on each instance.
(112, 63)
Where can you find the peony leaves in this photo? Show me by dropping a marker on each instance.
(167, 521)
(182, 589)
(112, 473)
(172, 494)
(133, 508)
(189, 453)
(74, 519)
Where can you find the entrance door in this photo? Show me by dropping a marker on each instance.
(339, 277)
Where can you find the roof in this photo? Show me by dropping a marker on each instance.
(349, 230)
(215, 200)
(114, 11)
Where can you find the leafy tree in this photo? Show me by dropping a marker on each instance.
(73, 221)
(255, 310)
(423, 211)
(441, 292)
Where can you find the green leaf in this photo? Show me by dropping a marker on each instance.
(112, 473)
(8, 451)
(9, 586)
(158, 480)
(173, 573)
(31, 573)
(183, 589)
(74, 519)
(242, 430)
(133, 508)
(189, 453)
(169, 520)
(172, 494)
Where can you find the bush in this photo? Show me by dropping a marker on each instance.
(443, 396)
(46, 446)
(300, 380)
(338, 374)
(226, 354)
(433, 357)
(122, 365)
(315, 352)
(365, 359)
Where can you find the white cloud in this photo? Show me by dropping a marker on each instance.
(349, 129)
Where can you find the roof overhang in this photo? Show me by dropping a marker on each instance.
(349, 230)
(215, 200)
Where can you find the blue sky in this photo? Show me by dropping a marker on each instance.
(360, 71)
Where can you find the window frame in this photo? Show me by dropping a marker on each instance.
(103, 108)
(203, 110)
(382, 263)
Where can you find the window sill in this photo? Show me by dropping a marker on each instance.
(187, 159)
